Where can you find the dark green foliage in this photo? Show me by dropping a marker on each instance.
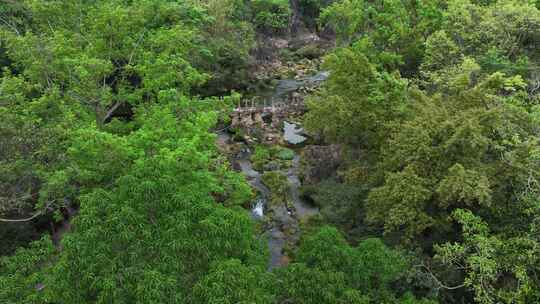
(15, 235)
(340, 273)
(337, 202)
(306, 285)
(455, 147)
(493, 261)
(227, 39)
(311, 10)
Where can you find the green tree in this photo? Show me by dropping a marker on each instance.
(328, 270)
(357, 101)
(80, 65)
(397, 29)
(232, 282)
(499, 269)
(152, 229)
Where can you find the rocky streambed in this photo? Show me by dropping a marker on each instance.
(280, 215)
(273, 168)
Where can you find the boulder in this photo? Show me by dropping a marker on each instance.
(271, 166)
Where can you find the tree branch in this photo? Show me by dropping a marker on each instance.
(437, 281)
(110, 112)
(28, 218)
(21, 220)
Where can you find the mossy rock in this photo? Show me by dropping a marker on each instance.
(271, 166)
(271, 158)
(311, 51)
(278, 185)
(285, 154)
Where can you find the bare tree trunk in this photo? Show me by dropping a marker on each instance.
(294, 22)
(99, 116)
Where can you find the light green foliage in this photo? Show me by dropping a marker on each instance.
(160, 207)
(78, 65)
(285, 154)
(369, 267)
(157, 205)
(327, 249)
(137, 57)
(20, 275)
(465, 186)
(440, 51)
(271, 15)
(261, 155)
(355, 98)
(502, 36)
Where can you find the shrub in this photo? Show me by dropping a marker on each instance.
(271, 15)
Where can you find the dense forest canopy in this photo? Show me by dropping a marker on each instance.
(113, 190)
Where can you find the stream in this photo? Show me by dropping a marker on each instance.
(285, 87)
(280, 222)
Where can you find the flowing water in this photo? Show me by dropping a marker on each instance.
(282, 223)
(285, 87)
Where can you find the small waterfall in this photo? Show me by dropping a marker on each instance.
(257, 210)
